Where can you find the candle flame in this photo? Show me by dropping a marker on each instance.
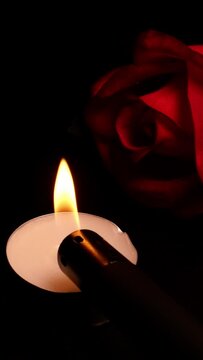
(64, 191)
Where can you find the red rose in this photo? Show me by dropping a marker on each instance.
(147, 121)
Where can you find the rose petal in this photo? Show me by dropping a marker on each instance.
(195, 93)
(197, 48)
(155, 46)
(130, 125)
(101, 115)
(100, 83)
(127, 76)
(160, 193)
(171, 140)
(172, 101)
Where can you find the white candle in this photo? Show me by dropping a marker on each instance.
(33, 247)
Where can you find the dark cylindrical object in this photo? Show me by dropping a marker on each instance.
(125, 292)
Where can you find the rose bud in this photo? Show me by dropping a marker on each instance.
(147, 121)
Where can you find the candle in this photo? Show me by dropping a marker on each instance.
(32, 248)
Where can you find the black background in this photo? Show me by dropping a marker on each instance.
(51, 57)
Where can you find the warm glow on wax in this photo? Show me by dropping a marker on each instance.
(64, 191)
